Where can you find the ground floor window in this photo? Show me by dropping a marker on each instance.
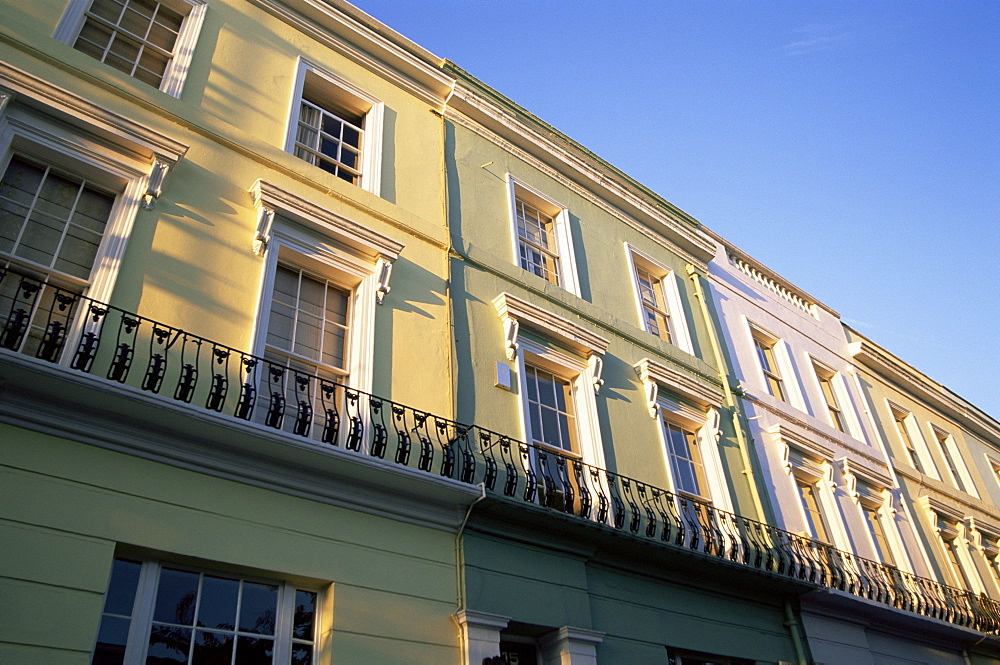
(164, 614)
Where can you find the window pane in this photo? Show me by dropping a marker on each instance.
(175, 597)
(111, 641)
(305, 614)
(217, 608)
(333, 347)
(254, 651)
(168, 645)
(94, 39)
(301, 655)
(21, 181)
(212, 648)
(550, 427)
(40, 239)
(121, 588)
(258, 607)
(108, 9)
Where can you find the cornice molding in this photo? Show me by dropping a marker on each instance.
(783, 434)
(912, 382)
(871, 477)
(574, 337)
(33, 91)
(581, 172)
(374, 46)
(271, 197)
(939, 510)
(816, 432)
(680, 384)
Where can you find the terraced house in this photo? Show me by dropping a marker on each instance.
(380, 368)
(829, 477)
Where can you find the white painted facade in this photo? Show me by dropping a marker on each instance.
(813, 439)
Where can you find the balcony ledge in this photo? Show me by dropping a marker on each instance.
(48, 398)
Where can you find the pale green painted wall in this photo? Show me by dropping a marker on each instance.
(640, 614)
(67, 504)
(481, 231)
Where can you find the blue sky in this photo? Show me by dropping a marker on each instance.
(854, 147)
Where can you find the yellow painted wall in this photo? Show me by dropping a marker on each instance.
(188, 262)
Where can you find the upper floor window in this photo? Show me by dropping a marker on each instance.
(308, 320)
(658, 300)
(551, 413)
(876, 530)
(336, 127)
(826, 378)
(323, 276)
(52, 219)
(812, 510)
(946, 444)
(686, 466)
(765, 347)
(164, 613)
(67, 206)
(950, 539)
(148, 39)
(903, 422)
(542, 241)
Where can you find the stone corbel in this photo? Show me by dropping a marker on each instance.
(786, 461)
(974, 535)
(155, 185)
(596, 365)
(265, 218)
(851, 482)
(5, 100)
(383, 270)
(713, 423)
(892, 498)
(652, 391)
(511, 328)
(827, 478)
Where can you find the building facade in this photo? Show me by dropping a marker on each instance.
(380, 368)
(203, 203)
(828, 476)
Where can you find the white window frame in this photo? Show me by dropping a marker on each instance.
(801, 480)
(580, 376)
(565, 256)
(869, 493)
(949, 524)
(952, 457)
(841, 395)
(680, 336)
(116, 163)
(74, 16)
(804, 459)
(673, 396)
(293, 230)
(994, 466)
(368, 106)
(783, 360)
(705, 426)
(912, 430)
(145, 597)
(954, 541)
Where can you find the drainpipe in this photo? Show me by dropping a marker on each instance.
(731, 401)
(460, 553)
(793, 628)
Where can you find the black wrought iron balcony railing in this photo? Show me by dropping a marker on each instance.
(59, 326)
